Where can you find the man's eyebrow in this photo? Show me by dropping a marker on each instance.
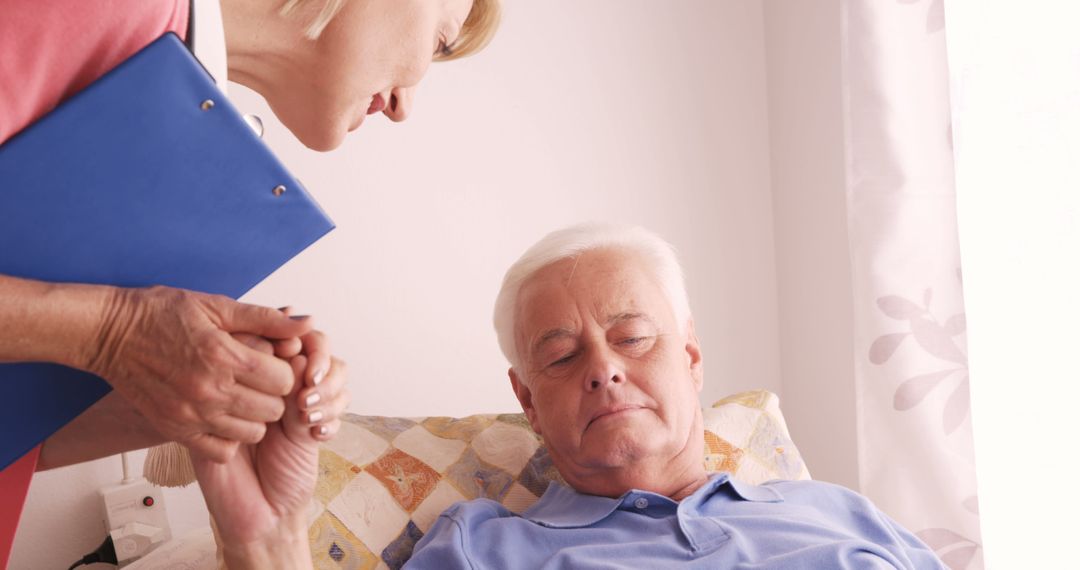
(551, 335)
(629, 316)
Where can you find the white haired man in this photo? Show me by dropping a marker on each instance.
(606, 365)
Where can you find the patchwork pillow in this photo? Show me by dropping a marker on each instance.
(384, 481)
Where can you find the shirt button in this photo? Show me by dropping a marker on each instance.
(641, 502)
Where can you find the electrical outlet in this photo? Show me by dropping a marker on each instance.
(134, 514)
(134, 540)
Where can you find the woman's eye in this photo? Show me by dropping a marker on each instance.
(632, 341)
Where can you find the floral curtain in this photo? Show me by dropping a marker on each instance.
(916, 455)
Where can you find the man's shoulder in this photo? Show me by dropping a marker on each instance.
(834, 503)
(810, 487)
(819, 493)
(476, 510)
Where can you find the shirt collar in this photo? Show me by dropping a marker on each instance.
(563, 507)
(755, 493)
(209, 42)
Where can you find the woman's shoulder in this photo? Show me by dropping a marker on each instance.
(52, 50)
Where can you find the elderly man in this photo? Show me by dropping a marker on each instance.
(606, 365)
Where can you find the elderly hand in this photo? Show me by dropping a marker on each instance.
(259, 498)
(170, 353)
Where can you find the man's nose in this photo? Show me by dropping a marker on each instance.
(603, 370)
(399, 104)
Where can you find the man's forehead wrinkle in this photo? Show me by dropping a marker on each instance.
(531, 291)
(602, 288)
(550, 335)
(628, 316)
(573, 268)
(600, 263)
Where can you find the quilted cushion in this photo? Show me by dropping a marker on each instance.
(383, 481)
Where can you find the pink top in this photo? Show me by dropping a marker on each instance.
(50, 51)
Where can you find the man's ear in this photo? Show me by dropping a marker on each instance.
(524, 397)
(693, 353)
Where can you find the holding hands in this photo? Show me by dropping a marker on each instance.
(202, 370)
(259, 497)
(251, 391)
(169, 352)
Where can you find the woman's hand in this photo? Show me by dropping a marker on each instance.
(170, 353)
(322, 397)
(259, 498)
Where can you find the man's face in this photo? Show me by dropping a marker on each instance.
(604, 373)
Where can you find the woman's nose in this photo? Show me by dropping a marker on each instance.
(399, 104)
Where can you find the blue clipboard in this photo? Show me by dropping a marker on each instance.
(149, 176)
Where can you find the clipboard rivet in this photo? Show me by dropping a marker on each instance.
(279, 190)
(207, 105)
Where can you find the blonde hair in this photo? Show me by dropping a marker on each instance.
(330, 8)
(476, 32)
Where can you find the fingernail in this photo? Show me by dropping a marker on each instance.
(314, 416)
(299, 317)
(323, 430)
(318, 377)
(312, 399)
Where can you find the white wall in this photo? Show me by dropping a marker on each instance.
(646, 112)
(810, 216)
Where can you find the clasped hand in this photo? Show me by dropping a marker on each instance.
(259, 497)
(183, 361)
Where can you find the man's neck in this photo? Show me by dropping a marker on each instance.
(663, 481)
(691, 487)
(674, 477)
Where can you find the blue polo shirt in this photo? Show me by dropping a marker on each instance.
(724, 524)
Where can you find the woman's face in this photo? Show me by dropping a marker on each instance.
(368, 60)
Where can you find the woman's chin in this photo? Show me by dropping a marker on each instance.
(317, 133)
(323, 141)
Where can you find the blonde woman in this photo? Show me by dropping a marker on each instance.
(180, 368)
(323, 66)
